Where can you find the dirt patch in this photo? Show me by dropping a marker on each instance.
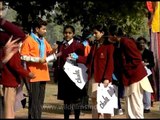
(53, 108)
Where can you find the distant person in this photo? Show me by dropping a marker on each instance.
(148, 61)
(117, 80)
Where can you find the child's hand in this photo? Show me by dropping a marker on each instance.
(54, 48)
(106, 82)
(74, 56)
(42, 60)
(10, 48)
(59, 54)
(31, 75)
(145, 63)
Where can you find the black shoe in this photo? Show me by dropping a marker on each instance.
(151, 103)
(147, 110)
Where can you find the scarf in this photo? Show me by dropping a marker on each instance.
(41, 44)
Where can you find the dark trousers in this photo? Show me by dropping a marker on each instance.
(36, 99)
(85, 99)
(72, 105)
(120, 95)
(1, 107)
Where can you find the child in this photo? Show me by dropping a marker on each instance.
(67, 90)
(34, 52)
(100, 65)
(12, 70)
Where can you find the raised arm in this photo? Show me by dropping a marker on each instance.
(12, 29)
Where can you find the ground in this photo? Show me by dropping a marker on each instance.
(53, 108)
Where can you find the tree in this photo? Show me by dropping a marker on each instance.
(128, 14)
(28, 10)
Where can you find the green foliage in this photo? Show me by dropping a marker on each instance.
(55, 32)
(130, 15)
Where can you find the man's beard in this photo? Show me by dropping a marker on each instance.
(41, 36)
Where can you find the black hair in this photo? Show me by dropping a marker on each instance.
(38, 22)
(25, 31)
(78, 38)
(69, 26)
(115, 30)
(86, 33)
(100, 28)
(141, 38)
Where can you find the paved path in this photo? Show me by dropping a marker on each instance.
(53, 108)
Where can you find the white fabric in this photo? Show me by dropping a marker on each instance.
(76, 73)
(107, 98)
(30, 59)
(51, 58)
(149, 72)
(146, 84)
(19, 98)
(134, 102)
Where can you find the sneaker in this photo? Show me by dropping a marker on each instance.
(120, 112)
(151, 103)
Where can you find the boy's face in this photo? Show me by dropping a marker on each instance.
(41, 32)
(3, 9)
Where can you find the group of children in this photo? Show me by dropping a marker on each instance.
(97, 55)
(101, 64)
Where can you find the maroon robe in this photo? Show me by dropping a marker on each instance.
(132, 68)
(13, 68)
(67, 90)
(100, 62)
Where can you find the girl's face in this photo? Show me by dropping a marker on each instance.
(68, 34)
(97, 34)
(141, 44)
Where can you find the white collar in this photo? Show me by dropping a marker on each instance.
(70, 41)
